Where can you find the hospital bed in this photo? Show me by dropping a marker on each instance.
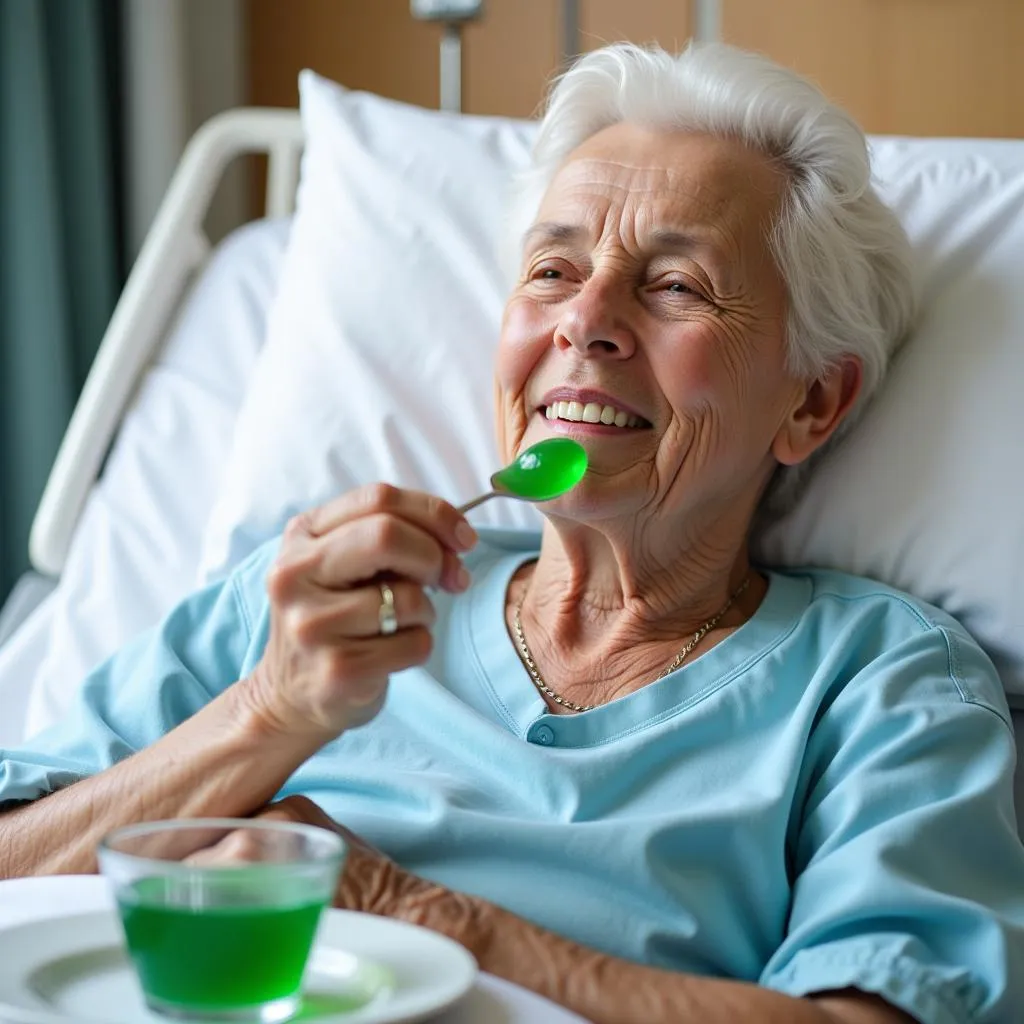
(160, 451)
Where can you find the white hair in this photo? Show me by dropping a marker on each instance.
(841, 252)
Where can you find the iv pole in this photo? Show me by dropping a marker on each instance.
(455, 13)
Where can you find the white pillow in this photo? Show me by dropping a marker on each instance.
(378, 358)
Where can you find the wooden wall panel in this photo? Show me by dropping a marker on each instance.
(667, 22)
(509, 56)
(916, 67)
(927, 67)
(364, 44)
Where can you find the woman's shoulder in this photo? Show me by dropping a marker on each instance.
(832, 588)
(891, 634)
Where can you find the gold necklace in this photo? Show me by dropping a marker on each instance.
(531, 665)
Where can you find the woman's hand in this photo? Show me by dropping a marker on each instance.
(374, 884)
(326, 665)
(370, 882)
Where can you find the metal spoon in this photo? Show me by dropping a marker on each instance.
(544, 471)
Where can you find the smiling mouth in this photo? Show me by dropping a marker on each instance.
(593, 412)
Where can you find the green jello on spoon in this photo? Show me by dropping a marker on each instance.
(544, 471)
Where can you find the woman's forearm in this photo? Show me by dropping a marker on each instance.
(609, 990)
(221, 762)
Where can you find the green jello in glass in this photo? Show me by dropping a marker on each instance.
(220, 915)
(217, 957)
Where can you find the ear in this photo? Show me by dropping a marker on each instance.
(825, 404)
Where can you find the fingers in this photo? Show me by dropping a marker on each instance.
(356, 613)
(248, 846)
(300, 810)
(363, 548)
(430, 513)
(359, 549)
(369, 880)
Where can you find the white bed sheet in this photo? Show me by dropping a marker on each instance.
(20, 659)
(136, 548)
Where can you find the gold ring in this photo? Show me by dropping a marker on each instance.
(386, 614)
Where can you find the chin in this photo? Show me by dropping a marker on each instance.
(587, 505)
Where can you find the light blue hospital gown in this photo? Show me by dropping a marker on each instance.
(821, 800)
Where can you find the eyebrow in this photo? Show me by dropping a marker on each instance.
(677, 240)
(553, 231)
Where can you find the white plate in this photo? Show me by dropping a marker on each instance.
(74, 970)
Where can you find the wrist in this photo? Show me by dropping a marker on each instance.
(466, 919)
(260, 719)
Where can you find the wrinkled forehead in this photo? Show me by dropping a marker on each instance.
(636, 181)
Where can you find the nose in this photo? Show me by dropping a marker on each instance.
(594, 322)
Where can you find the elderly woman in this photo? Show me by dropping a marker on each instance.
(622, 765)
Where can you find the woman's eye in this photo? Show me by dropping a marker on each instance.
(549, 274)
(678, 288)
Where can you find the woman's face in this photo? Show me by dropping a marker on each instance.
(647, 296)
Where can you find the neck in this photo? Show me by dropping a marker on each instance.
(604, 613)
(668, 580)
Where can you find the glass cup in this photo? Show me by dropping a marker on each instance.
(219, 914)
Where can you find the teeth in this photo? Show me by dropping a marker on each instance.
(591, 412)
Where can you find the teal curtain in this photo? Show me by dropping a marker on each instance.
(60, 251)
